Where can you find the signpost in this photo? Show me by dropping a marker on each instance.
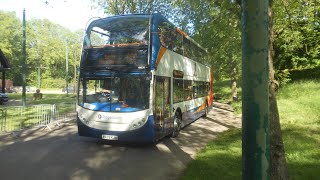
(255, 91)
(24, 58)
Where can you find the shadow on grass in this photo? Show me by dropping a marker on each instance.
(302, 148)
(222, 157)
(220, 123)
(220, 160)
(302, 171)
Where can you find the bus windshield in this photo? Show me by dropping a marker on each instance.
(118, 32)
(123, 93)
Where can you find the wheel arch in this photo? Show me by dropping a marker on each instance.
(178, 110)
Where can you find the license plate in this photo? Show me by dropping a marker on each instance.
(109, 137)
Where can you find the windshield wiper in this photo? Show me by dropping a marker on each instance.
(100, 32)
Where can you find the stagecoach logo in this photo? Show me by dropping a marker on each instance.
(105, 117)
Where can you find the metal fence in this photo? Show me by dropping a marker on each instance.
(15, 118)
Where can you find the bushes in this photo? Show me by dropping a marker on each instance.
(285, 76)
(300, 74)
(53, 83)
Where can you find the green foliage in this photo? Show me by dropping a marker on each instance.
(116, 7)
(297, 31)
(11, 42)
(216, 26)
(47, 47)
(283, 77)
(47, 44)
(299, 108)
(309, 73)
(222, 93)
(53, 83)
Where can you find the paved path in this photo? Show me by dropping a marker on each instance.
(61, 154)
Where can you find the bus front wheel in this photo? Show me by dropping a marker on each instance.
(177, 122)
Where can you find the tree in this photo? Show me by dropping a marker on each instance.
(11, 42)
(221, 32)
(297, 31)
(47, 44)
(117, 7)
(216, 25)
(46, 48)
(278, 164)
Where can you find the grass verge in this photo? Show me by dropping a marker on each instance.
(47, 98)
(299, 108)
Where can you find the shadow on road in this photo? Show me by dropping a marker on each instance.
(222, 124)
(62, 154)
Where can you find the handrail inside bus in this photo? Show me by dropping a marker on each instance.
(90, 20)
(100, 32)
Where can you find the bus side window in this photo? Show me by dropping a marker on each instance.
(178, 90)
(187, 86)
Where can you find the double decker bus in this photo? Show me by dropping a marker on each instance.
(141, 79)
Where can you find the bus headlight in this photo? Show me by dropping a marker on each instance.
(82, 116)
(138, 123)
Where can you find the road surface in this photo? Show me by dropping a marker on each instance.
(61, 154)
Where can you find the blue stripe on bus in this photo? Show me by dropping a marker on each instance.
(155, 41)
(192, 115)
(145, 134)
(115, 107)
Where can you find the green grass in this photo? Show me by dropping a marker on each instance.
(222, 91)
(221, 159)
(47, 98)
(23, 117)
(299, 107)
(30, 115)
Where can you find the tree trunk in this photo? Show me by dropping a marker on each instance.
(234, 91)
(233, 78)
(278, 164)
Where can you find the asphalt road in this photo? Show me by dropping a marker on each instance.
(61, 154)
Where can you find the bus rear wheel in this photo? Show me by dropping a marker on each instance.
(177, 122)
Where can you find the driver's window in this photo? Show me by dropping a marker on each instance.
(106, 86)
(94, 91)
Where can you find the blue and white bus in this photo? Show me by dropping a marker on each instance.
(141, 79)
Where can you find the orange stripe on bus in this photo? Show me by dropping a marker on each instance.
(202, 107)
(181, 32)
(211, 94)
(160, 55)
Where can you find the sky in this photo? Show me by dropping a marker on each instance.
(73, 14)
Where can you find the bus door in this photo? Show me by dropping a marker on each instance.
(162, 106)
